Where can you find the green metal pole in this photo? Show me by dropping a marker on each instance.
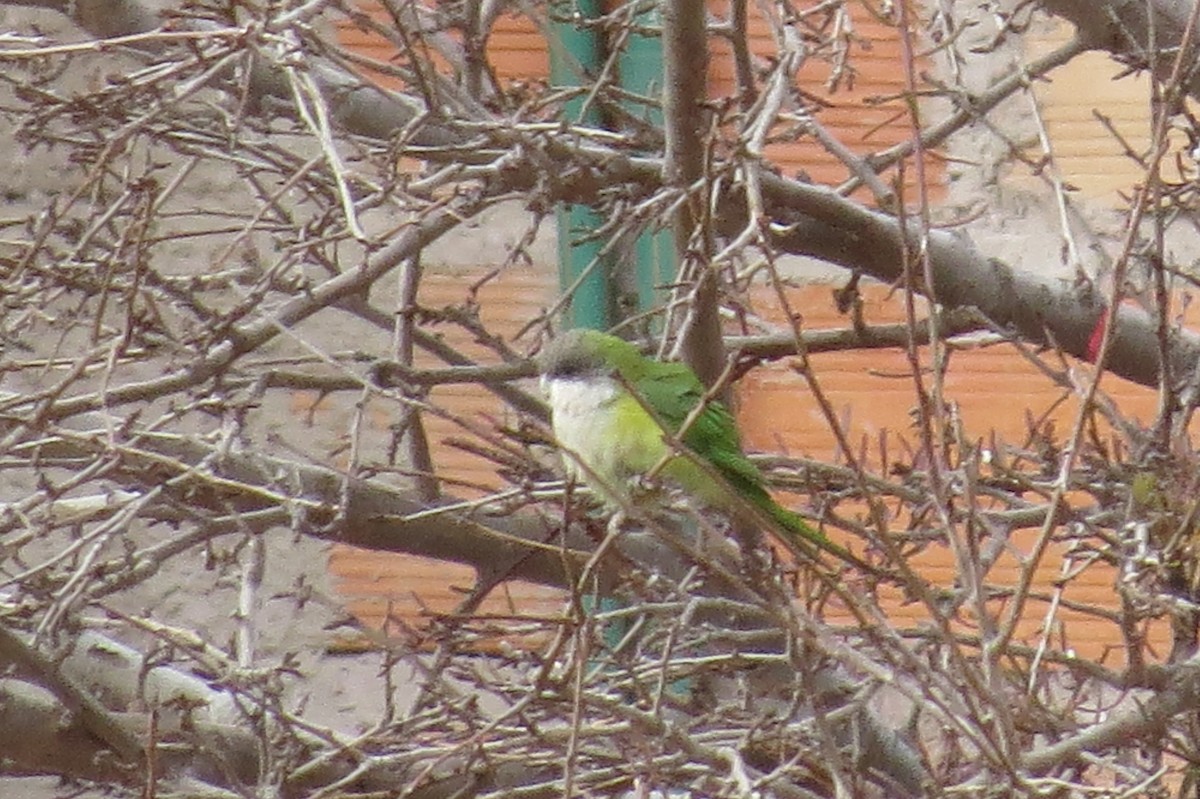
(576, 55)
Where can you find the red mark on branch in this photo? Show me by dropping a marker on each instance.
(1096, 339)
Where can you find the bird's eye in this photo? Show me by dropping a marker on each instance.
(569, 367)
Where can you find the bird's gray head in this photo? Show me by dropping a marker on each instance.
(574, 355)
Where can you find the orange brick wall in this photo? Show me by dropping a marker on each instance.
(994, 389)
(993, 386)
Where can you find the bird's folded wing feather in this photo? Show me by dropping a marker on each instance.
(673, 391)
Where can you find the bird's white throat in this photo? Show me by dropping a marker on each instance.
(584, 418)
(576, 401)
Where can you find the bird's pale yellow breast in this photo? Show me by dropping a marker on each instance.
(597, 422)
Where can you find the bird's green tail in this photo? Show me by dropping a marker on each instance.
(803, 533)
(748, 484)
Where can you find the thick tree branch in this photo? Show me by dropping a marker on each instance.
(685, 66)
(1128, 29)
(91, 715)
(377, 516)
(1146, 721)
(1048, 311)
(200, 741)
(815, 221)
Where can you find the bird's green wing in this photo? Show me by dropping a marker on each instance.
(672, 391)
